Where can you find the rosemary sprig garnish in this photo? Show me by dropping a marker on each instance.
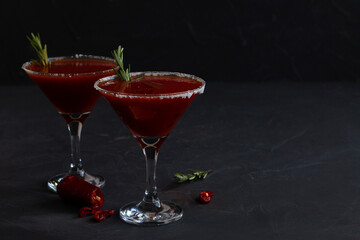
(195, 174)
(118, 55)
(40, 50)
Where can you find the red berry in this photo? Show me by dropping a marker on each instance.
(102, 215)
(205, 197)
(84, 211)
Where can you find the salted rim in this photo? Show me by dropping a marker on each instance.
(76, 56)
(183, 94)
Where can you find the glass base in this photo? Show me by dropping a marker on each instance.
(96, 180)
(169, 213)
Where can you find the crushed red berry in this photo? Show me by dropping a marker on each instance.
(205, 197)
(103, 214)
(84, 211)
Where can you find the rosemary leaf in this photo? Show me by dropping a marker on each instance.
(195, 174)
(41, 51)
(123, 74)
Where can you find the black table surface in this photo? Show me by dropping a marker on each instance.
(285, 158)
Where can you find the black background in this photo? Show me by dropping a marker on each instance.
(247, 40)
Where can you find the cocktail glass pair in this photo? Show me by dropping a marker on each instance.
(150, 106)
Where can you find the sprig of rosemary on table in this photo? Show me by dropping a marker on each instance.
(40, 50)
(124, 74)
(195, 174)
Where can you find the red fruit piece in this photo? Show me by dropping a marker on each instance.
(103, 214)
(84, 211)
(80, 192)
(205, 197)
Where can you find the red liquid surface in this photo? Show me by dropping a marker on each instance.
(72, 92)
(155, 116)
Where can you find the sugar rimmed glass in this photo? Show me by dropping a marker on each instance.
(68, 84)
(150, 106)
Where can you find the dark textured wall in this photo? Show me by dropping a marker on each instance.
(229, 40)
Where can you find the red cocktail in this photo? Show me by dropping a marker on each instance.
(150, 106)
(68, 84)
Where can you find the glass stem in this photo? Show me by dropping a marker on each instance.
(151, 201)
(76, 162)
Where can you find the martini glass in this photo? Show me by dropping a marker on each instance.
(68, 84)
(150, 106)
